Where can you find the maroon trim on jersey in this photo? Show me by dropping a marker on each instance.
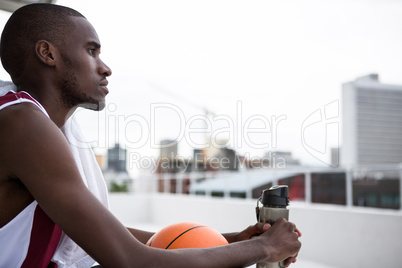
(45, 237)
(12, 96)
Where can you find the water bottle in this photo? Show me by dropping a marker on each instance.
(274, 206)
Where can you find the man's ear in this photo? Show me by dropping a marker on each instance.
(46, 52)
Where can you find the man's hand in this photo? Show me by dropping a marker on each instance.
(282, 242)
(249, 232)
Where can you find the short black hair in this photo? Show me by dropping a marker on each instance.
(29, 24)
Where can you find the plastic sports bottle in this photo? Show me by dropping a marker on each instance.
(274, 206)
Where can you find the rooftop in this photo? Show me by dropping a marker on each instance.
(333, 235)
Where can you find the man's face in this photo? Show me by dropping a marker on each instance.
(83, 74)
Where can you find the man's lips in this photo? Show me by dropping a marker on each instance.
(104, 84)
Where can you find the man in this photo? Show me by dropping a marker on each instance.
(52, 55)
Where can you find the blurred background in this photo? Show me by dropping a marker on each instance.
(212, 101)
(275, 63)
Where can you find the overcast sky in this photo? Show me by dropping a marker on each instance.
(262, 69)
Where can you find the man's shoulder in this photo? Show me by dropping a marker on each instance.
(14, 114)
(18, 122)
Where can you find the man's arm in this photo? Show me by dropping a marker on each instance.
(35, 151)
(142, 236)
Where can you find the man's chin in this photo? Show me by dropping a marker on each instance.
(101, 106)
(93, 106)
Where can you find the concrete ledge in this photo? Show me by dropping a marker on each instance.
(332, 235)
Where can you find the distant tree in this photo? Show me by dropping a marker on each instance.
(116, 187)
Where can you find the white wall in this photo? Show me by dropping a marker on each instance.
(332, 235)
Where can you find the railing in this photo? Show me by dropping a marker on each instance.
(349, 187)
(334, 236)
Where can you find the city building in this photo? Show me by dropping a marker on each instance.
(372, 122)
(335, 157)
(116, 175)
(168, 149)
(117, 159)
(169, 160)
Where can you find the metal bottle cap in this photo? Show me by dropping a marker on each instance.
(276, 196)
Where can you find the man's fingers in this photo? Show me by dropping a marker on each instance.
(266, 226)
(290, 260)
(298, 232)
(262, 227)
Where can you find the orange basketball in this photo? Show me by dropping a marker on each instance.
(186, 235)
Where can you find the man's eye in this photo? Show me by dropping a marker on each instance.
(92, 51)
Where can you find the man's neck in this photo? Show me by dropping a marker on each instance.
(52, 103)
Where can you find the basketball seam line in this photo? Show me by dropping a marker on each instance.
(152, 240)
(183, 234)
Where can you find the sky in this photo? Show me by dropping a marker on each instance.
(257, 76)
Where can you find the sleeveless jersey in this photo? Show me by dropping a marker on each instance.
(31, 238)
